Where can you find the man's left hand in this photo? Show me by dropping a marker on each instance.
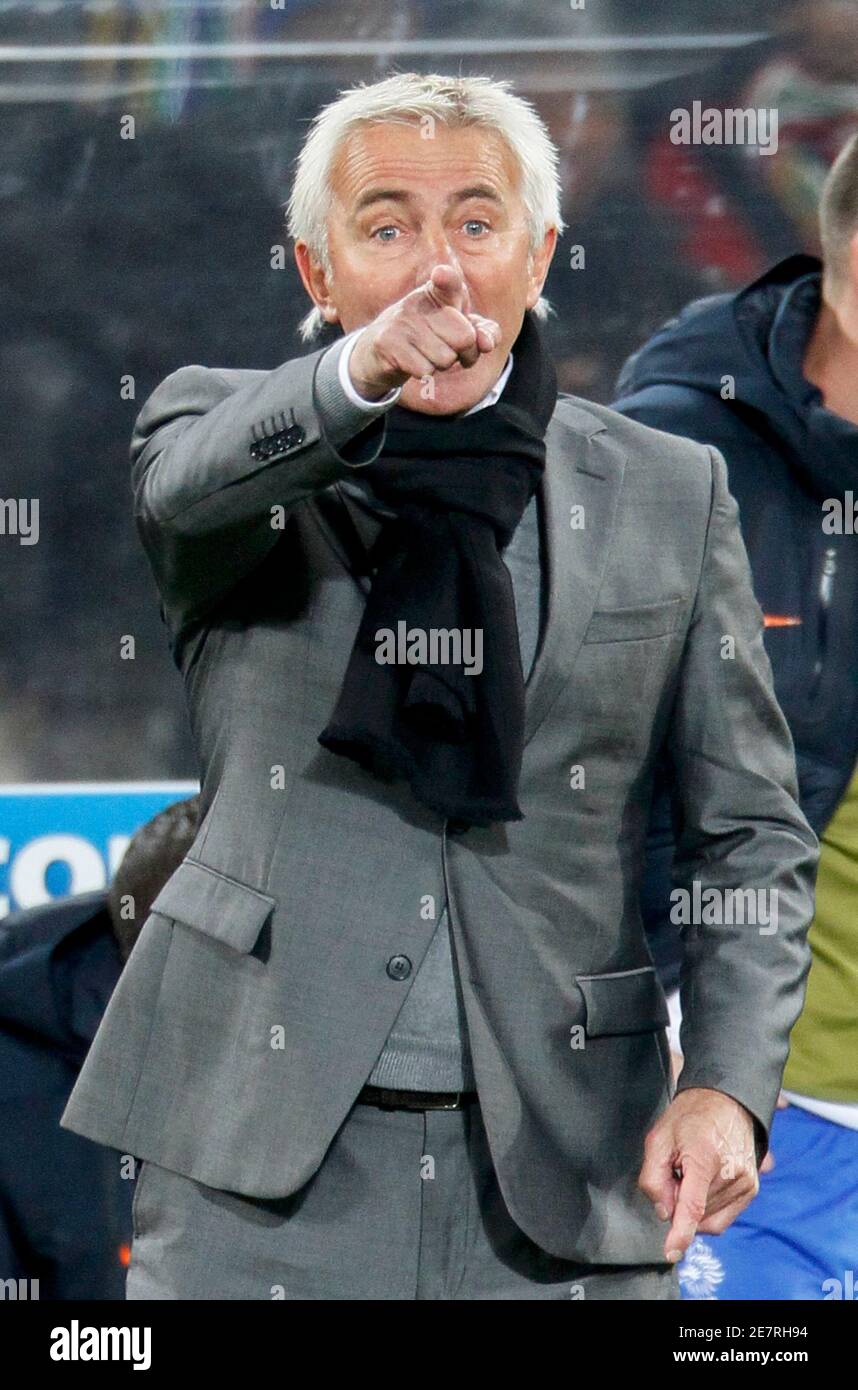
(707, 1139)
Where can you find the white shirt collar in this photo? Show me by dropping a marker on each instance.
(497, 390)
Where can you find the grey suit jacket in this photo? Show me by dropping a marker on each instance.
(275, 960)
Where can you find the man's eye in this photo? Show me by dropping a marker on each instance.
(378, 233)
(476, 222)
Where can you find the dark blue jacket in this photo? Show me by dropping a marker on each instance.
(65, 1210)
(786, 454)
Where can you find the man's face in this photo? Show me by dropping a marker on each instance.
(403, 204)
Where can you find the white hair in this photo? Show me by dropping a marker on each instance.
(410, 97)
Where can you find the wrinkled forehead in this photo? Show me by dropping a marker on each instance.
(422, 159)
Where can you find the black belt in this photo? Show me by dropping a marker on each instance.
(415, 1100)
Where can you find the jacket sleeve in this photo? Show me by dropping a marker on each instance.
(739, 827)
(215, 455)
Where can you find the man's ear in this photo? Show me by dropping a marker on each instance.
(316, 282)
(538, 264)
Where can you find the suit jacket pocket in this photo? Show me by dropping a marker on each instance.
(623, 1001)
(633, 624)
(215, 904)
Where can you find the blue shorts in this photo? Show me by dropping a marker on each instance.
(798, 1238)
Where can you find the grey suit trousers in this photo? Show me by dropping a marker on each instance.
(405, 1206)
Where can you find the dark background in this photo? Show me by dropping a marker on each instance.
(134, 257)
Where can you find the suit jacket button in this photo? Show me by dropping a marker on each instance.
(399, 967)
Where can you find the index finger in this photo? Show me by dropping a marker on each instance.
(446, 285)
(689, 1211)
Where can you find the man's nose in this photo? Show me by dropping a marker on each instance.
(436, 250)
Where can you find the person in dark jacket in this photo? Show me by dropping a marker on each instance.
(65, 1203)
(770, 376)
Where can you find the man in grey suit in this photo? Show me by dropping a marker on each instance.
(392, 1029)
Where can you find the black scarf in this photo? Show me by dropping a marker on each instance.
(458, 486)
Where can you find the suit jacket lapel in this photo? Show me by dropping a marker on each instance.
(584, 470)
